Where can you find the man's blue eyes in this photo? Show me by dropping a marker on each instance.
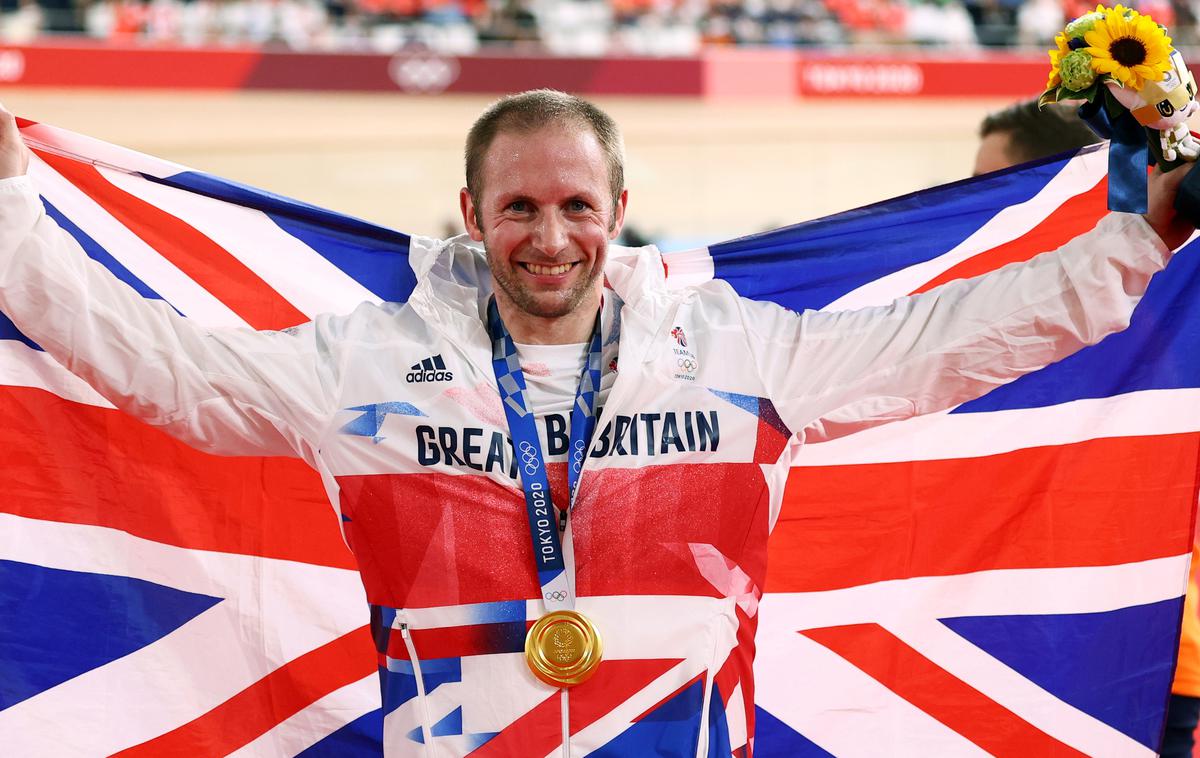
(575, 206)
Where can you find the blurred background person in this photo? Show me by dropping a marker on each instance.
(1023, 132)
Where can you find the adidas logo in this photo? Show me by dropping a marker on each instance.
(429, 370)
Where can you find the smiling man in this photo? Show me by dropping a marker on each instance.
(561, 519)
(545, 194)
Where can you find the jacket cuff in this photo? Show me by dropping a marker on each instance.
(1138, 231)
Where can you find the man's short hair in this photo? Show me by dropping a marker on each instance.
(1038, 132)
(536, 109)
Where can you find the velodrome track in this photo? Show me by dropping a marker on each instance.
(698, 170)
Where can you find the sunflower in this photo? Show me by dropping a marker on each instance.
(1056, 57)
(1129, 47)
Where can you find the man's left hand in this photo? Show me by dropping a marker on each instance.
(1173, 228)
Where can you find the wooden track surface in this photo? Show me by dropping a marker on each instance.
(697, 171)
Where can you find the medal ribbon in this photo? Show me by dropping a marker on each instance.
(557, 592)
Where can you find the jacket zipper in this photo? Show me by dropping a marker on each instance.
(426, 732)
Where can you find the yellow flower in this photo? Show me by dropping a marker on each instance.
(1056, 57)
(1129, 47)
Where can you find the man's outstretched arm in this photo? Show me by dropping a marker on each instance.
(231, 391)
(833, 373)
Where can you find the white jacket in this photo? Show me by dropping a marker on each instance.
(711, 397)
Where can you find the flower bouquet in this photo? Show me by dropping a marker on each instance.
(1138, 93)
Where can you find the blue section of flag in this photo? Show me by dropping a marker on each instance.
(1116, 666)
(812, 264)
(775, 739)
(9, 331)
(374, 256)
(59, 624)
(362, 737)
(671, 729)
(1159, 350)
(380, 265)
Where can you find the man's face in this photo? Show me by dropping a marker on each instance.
(545, 216)
(993, 153)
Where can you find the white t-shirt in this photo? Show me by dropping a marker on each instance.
(552, 376)
(551, 380)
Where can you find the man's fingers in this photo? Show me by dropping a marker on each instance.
(14, 156)
(8, 126)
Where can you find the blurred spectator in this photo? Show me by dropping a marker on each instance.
(995, 21)
(576, 27)
(941, 24)
(1038, 21)
(509, 21)
(1023, 132)
(22, 24)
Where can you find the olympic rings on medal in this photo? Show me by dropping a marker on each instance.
(687, 364)
(529, 457)
(557, 596)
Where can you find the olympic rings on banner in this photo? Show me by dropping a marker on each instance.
(557, 595)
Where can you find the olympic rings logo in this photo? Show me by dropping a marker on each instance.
(557, 596)
(577, 456)
(529, 457)
(687, 364)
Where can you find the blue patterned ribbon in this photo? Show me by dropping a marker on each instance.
(1128, 155)
(557, 591)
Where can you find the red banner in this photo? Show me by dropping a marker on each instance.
(716, 73)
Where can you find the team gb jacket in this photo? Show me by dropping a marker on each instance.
(706, 399)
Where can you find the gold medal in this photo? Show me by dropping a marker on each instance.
(563, 648)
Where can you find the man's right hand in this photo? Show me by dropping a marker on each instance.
(14, 155)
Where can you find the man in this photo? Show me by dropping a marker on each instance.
(1024, 132)
(642, 586)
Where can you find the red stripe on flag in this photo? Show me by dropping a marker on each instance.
(1068, 221)
(204, 261)
(614, 683)
(1094, 503)
(536, 732)
(961, 707)
(80, 464)
(274, 698)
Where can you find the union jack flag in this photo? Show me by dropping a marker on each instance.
(1002, 578)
